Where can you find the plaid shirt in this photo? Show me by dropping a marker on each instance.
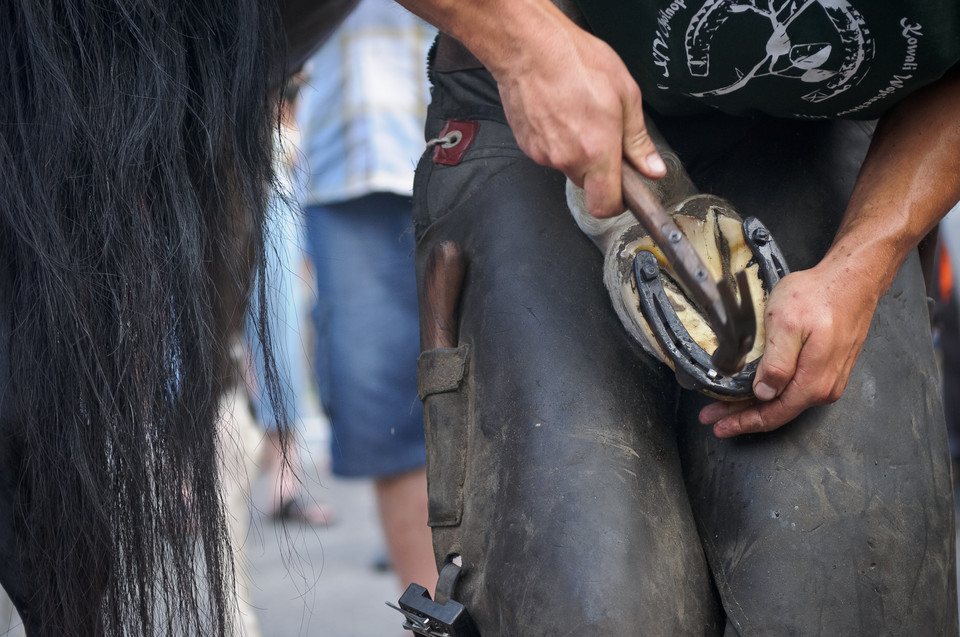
(363, 105)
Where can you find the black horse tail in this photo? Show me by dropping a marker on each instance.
(135, 167)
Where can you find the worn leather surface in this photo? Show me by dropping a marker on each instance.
(571, 464)
(441, 374)
(841, 522)
(591, 494)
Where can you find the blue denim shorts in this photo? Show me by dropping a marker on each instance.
(367, 333)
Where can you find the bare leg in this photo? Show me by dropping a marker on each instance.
(402, 500)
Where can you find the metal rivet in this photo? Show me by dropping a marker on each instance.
(761, 236)
(649, 272)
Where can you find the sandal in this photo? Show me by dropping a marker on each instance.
(296, 510)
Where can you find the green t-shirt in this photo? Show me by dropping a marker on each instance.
(787, 58)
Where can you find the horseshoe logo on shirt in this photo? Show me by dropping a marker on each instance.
(835, 66)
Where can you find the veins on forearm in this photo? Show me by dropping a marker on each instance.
(908, 182)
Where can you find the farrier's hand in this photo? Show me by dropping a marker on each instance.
(573, 106)
(816, 322)
(569, 99)
(817, 319)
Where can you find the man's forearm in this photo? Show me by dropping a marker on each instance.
(568, 97)
(909, 181)
(500, 33)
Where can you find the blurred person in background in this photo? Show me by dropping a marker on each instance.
(361, 115)
(946, 327)
(283, 311)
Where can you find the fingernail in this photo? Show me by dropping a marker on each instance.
(709, 414)
(764, 391)
(655, 164)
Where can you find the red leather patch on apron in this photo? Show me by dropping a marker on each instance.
(457, 136)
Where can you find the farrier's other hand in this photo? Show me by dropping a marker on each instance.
(816, 322)
(573, 106)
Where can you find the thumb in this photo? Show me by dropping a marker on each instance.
(778, 365)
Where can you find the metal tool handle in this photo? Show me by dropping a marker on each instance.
(674, 245)
(728, 320)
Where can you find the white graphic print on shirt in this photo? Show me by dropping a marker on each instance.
(833, 63)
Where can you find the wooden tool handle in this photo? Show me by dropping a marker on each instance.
(442, 282)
